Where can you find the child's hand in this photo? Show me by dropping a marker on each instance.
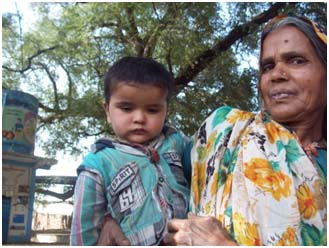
(111, 234)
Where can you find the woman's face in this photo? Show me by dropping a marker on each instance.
(293, 83)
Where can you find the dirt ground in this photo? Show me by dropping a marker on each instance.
(37, 244)
(46, 238)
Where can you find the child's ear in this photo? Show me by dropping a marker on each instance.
(106, 109)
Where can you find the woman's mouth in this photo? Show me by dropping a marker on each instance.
(279, 95)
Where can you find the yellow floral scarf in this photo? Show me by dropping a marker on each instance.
(253, 176)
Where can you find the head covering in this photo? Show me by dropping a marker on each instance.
(312, 30)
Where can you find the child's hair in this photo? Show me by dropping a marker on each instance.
(138, 70)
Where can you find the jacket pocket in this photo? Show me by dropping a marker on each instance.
(126, 190)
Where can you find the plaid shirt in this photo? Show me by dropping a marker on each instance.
(120, 179)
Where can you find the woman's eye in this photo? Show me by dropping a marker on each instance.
(297, 60)
(267, 67)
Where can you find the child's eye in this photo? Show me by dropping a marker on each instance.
(153, 110)
(125, 108)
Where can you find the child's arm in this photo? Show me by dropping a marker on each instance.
(89, 209)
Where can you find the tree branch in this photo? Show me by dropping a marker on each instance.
(133, 32)
(86, 134)
(45, 108)
(29, 60)
(204, 59)
(150, 40)
(71, 84)
(54, 86)
(63, 196)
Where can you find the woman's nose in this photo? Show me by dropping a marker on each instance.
(279, 72)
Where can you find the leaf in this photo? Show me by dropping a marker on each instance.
(292, 151)
(313, 236)
(221, 115)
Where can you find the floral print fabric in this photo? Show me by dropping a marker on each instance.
(252, 175)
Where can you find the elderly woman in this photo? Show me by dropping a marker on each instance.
(260, 179)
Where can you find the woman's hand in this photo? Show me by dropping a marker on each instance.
(197, 231)
(111, 234)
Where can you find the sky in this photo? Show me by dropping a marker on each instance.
(66, 165)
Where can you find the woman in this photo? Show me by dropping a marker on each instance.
(260, 179)
(263, 176)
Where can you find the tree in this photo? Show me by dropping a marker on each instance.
(44, 183)
(208, 47)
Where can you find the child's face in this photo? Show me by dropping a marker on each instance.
(137, 112)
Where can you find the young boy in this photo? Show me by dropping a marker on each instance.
(137, 178)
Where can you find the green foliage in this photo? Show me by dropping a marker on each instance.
(63, 57)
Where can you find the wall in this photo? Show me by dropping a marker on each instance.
(46, 221)
(16, 185)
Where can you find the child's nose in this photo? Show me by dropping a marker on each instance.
(139, 116)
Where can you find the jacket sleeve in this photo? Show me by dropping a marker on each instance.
(89, 209)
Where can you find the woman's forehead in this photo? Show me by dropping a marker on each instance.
(284, 39)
